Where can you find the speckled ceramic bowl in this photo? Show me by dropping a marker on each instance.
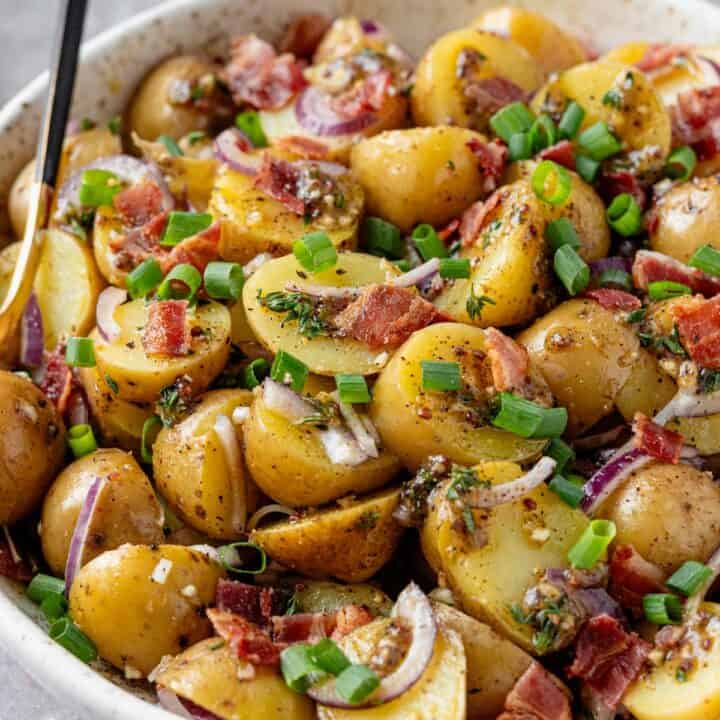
(113, 63)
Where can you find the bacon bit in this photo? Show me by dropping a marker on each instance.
(492, 158)
(366, 97)
(612, 184)
(254, 603)
(660, 55)
(695, 120)
(198, 250)
(303, 147)
(138, 204)
(650, 266)
(699, 327)
(655, 440)
(509, 361)
(537, 695)
(612, 299)
(166, 333)
(632, 577)
(248, 641)
(492, 94)
(139, 243)
(304, 627)
(18, 571)
(385, 316)
(449, 230)
(473, 219)
(278, 178)
(257, 76)
(608, 658)
(57, 379)
(350, 618)
(563, 153)
(652, 220)
(304, 34)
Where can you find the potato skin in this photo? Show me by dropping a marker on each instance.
(418, 175)
(127, 510)
(315, 596)
(32, 446)
(19, 199)
(669, 513)
(351, 542)
(135, 621)
(210, 676)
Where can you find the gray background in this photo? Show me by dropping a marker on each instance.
(26, 32)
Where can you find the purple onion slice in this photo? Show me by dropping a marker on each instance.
(482, 497)
(314, 113)
(108, 301)
(233, 147)
(32, 336)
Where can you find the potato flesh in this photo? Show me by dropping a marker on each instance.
(316, 596)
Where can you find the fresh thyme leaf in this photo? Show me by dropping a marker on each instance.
(612, 98)
(112, 384)
(462, 479)
(476, 303)
(171, 404)
(709, 380)
(300, 308)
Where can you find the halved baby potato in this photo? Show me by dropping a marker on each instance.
(322, 596)
(204, 487)
(350, 542)
(139, 377)
(415, 423)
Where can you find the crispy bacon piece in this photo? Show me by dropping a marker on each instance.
(449, 230)
(509, 361)
(246, 640)
(563, 153)
(57, 380)
(139, 243)
(166, 332)
(608, 658)
(612, 299)
(698, 324)
(473, 219)
(257, 76)
(537, 695)
(253, 602)
(657, 441)
(632, 577)
(305, 627)
(612, 184)
(650, 266)
(139, 203)
(278, 178)
(11, 569)
(368, 96)
(492, 158)
(659, 55)
(304, 147)
(696, 120)
(304, 34)
(198, 250)
(385, 316)
(491, 94)
(350, 618)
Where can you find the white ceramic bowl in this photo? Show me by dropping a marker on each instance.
(114, 62)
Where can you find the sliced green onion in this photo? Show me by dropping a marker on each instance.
(382, 238)
(64, 632)
(455, 268)
(662, 608)
(707, 259)
(352, 389)
(615, 276)
(315, 252)
(428, 243)
(224, 280)
(42, 586)
(256, 372)
(520, 147)
(402, 265)
(115, 125)
(529, 420)
(181, 225)
(289, 370)
(587, 168)
(298, 667)
(81, 440)
(593, 543)
(98, 187)
(573, 271)
(329, 657)
(511, 120)
(571, 121)
(551, 182)
(542, 134)
(249, 123)
(170, 145)
(664, 289)
(440, 376)
(54, 607)
(231, 559)
(570, 493)
(689, 578)
(144, 278)
(146, 443)
(598, 142)
(356, 683)
(681, 163)
(195, 136)
(562, 232)
(184, 275)
(624, 215)
(561, 453)
(80, 352)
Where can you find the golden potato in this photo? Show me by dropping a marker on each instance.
(669, 513)
(347, 37)
(323, 355)
(126, 510)
(139, 377)
(418, 175)
(414, 423)
(32, 446)
(458, 64)
(702, 433)
(314, 596)
(535, 532)
(210, 675)
(439, 694)
(138, 603)
(553, 48)
(107, 226)
(195, 476)
(19, 199)
(350, 542)
(252, 222)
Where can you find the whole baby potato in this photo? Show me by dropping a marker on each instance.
(126, 510)
(139, 603)
(32, 446)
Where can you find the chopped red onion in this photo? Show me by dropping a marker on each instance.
(256, 263)
(370, 27)
(417, 275)
(315, 114)
(341, 447)
(266, 510)
(281, 399)
(412, 607)
(108, 301)
(172, 703)
(689, 404)
(614, 262)
(233, 458)
(32, 337)
(358, 427)
(234, 149)
(78, 411)
(711, 70)
(329, 292)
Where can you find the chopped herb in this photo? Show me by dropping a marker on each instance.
(298, 307)
(171, 404)
(469, 520)
(368, 520)
(636, 316)
(462, 479)
(451, 165)
(339, 200)
(544, 621)
(195, 137)
(87, 124)
(112, 384)
(115, 125)
(681, 675)
(708, 380)
(475, 304)
(613, 98)
(197, 93)
(293, 607)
